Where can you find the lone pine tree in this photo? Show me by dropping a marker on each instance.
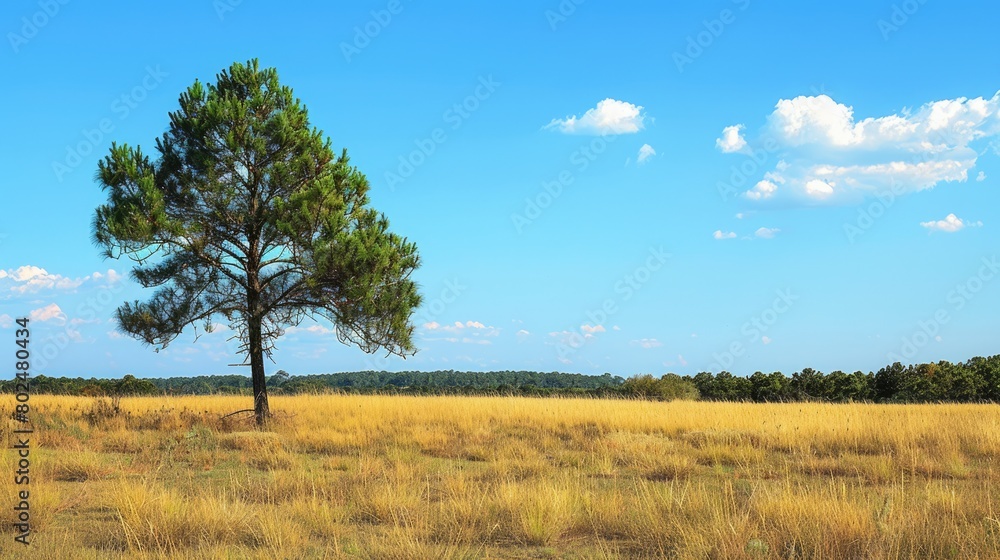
(247, 214)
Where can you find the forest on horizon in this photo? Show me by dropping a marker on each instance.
(976, 380)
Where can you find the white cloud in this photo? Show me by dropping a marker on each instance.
(114, 335)
(719, 234)
(616, 328)
(474, 328)
(32, 279)
(763, 189)
(766, 233)
(819, 119)
(765, 339)
(112, 276)
(732, 139)
(6, 321)
(591, 330)
(522, 335)
(950, 224)
(818, 188)
(609, 117)
(981, 177)
(647, 343)
(646, 152)
(50, 312)
(315, 329)
(829, 156)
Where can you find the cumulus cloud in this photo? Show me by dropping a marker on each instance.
(315, 329)
(818, 188)
(646, 152)
(827, 155)
(647, 343)
(766, 233)
(609, 117)
(950, 224)
(732, 139)
(765, 339)
(522, 335)
(50, 312)
(30, 279)
(981, 177)
(6, 321)
(592, 329)
(762, 190)
(472, 328)
(719, 234)
(111, 276)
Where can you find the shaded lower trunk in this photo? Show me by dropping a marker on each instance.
(256, 349)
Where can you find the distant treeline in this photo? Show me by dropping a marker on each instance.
(977, 380)
(411, 382)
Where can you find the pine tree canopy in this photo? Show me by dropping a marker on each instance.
(247, 214)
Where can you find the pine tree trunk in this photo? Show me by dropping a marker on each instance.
(260, 407)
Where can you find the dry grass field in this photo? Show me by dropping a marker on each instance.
(482, 477)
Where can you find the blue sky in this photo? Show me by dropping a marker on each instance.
(631, 187)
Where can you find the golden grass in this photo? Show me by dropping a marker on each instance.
(483, 477)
